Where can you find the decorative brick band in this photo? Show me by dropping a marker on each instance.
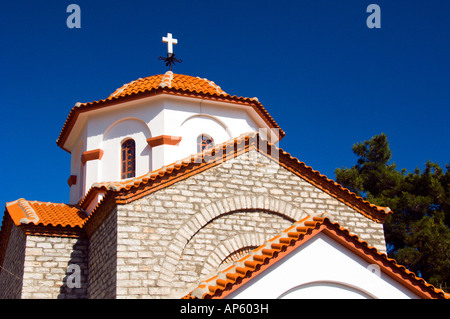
(228, 247)
(218, 208)
(163, 140)
(91, 155)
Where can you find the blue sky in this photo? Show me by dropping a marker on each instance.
(325, 77)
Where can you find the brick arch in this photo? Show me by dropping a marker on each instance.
(237, 255)
(228, 247)
(218, 208)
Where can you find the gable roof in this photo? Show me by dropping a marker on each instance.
(47, 218)
(168, 83)
(260, 259)
(45, 214)
(62, 219)
(68, 220)
(130, 190)
(40, 218)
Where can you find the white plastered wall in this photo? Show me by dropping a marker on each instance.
(114, 137)
(108, 128)
(322, 269)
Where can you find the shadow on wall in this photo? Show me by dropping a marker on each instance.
(75, 281)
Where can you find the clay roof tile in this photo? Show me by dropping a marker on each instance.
(170, 83)
(252, 265)
(45, 214)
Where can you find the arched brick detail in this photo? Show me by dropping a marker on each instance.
(216, 209)
(227, 247)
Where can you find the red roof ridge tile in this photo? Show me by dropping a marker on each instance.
(220, 153)
(121, 89)
(384, 210)
(225, 281)
(166, 80)
(19, 207)
(25, 212)
(214, 85)
(152, 175)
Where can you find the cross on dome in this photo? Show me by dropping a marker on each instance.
(170, 42)
(170, 59)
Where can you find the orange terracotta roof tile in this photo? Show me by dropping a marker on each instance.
(168, 83)
(39, 218)
(138, 187)
(228, 280)
(25, 212)
(169, 80)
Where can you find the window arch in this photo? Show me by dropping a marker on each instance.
(204, 141)
(128, 159)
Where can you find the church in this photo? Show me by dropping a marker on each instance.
(179, 189)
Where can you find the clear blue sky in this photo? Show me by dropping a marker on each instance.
(326, 78)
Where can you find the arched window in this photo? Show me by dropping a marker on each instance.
(128, 159)
(204, 142)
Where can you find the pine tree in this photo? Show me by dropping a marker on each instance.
(417, 233)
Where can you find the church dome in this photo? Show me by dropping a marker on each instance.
(171, 81)
(167, 83)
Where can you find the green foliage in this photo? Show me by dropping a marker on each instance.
(417, 234)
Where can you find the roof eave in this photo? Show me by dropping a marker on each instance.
(196, 163)
(86, 107)
(337, 233)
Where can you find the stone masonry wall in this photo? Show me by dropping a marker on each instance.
(46, 268)
(103, 259)
(11, 276)
(228, 233)
(170, 240)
